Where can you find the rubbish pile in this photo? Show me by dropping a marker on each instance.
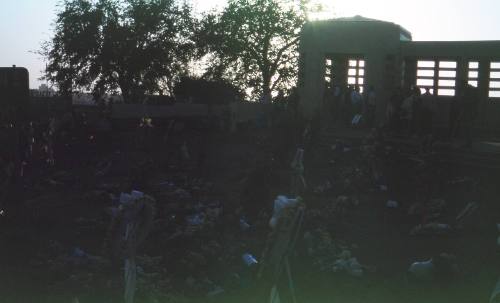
(442, 266)
(328, 256)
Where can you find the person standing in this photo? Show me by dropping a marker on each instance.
(393, 110)
(407, 111)
(336, 104)
(416, 112)
(356, 105)
(347, 105)
(470, 106)
(370, 105)
(428, 112)
(356, 100)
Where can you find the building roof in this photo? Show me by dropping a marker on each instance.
(359, 18)
(472, 49)
(10, 68)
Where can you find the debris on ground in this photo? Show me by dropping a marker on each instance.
(432, 209)
(201, 237)
(498, 237)
(466, 213)
(324, 188)
(392, 204)
(348, 264)
(442, 266)
(431, 229)
(495, 295)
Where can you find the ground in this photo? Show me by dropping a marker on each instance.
(67, 210)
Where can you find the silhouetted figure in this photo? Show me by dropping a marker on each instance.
(347, 105)
(416, 111)
(336, 105)
(410, 110)
(463, 112)
(356, 101)
(370, 105)
(470, 106)
(393, 110)
(428, 111)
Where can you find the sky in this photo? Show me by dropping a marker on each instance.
(25, 24)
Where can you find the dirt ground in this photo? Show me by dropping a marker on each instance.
(37, 255)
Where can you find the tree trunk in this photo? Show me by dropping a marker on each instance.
(125, 88)
(266, 85)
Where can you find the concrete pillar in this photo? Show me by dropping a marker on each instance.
(311, 94)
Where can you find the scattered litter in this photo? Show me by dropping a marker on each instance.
(498, 238)
(340, 146)
(356, 119)
(442, 266)
(392, 204)
(431, 229)
(466, 212)
(320, 189)
(460, 180)
(343, 202)
(187, 205)
(280, 204)
(182, 194)
(78, 253)
(422, 270)
(348, 264)
(216, 291)
(213, 210)
(103, 168)
(137, 194)
(495, 295)
(249, 260)
(244, 226)
(432, 209)
(196, 219)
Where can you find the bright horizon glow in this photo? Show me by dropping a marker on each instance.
(24, 24)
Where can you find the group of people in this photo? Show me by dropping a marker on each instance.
(413, 111)
(350, 106)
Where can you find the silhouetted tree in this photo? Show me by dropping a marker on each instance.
(253, 43)
(131, 45)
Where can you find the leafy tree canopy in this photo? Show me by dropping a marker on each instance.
(254, 43)
(131, 45)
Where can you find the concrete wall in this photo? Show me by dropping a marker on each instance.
(462, 51)
(238, 111)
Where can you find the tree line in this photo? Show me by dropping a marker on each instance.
(147, 46)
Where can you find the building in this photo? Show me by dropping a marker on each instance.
(368, 52)
(14, 93)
